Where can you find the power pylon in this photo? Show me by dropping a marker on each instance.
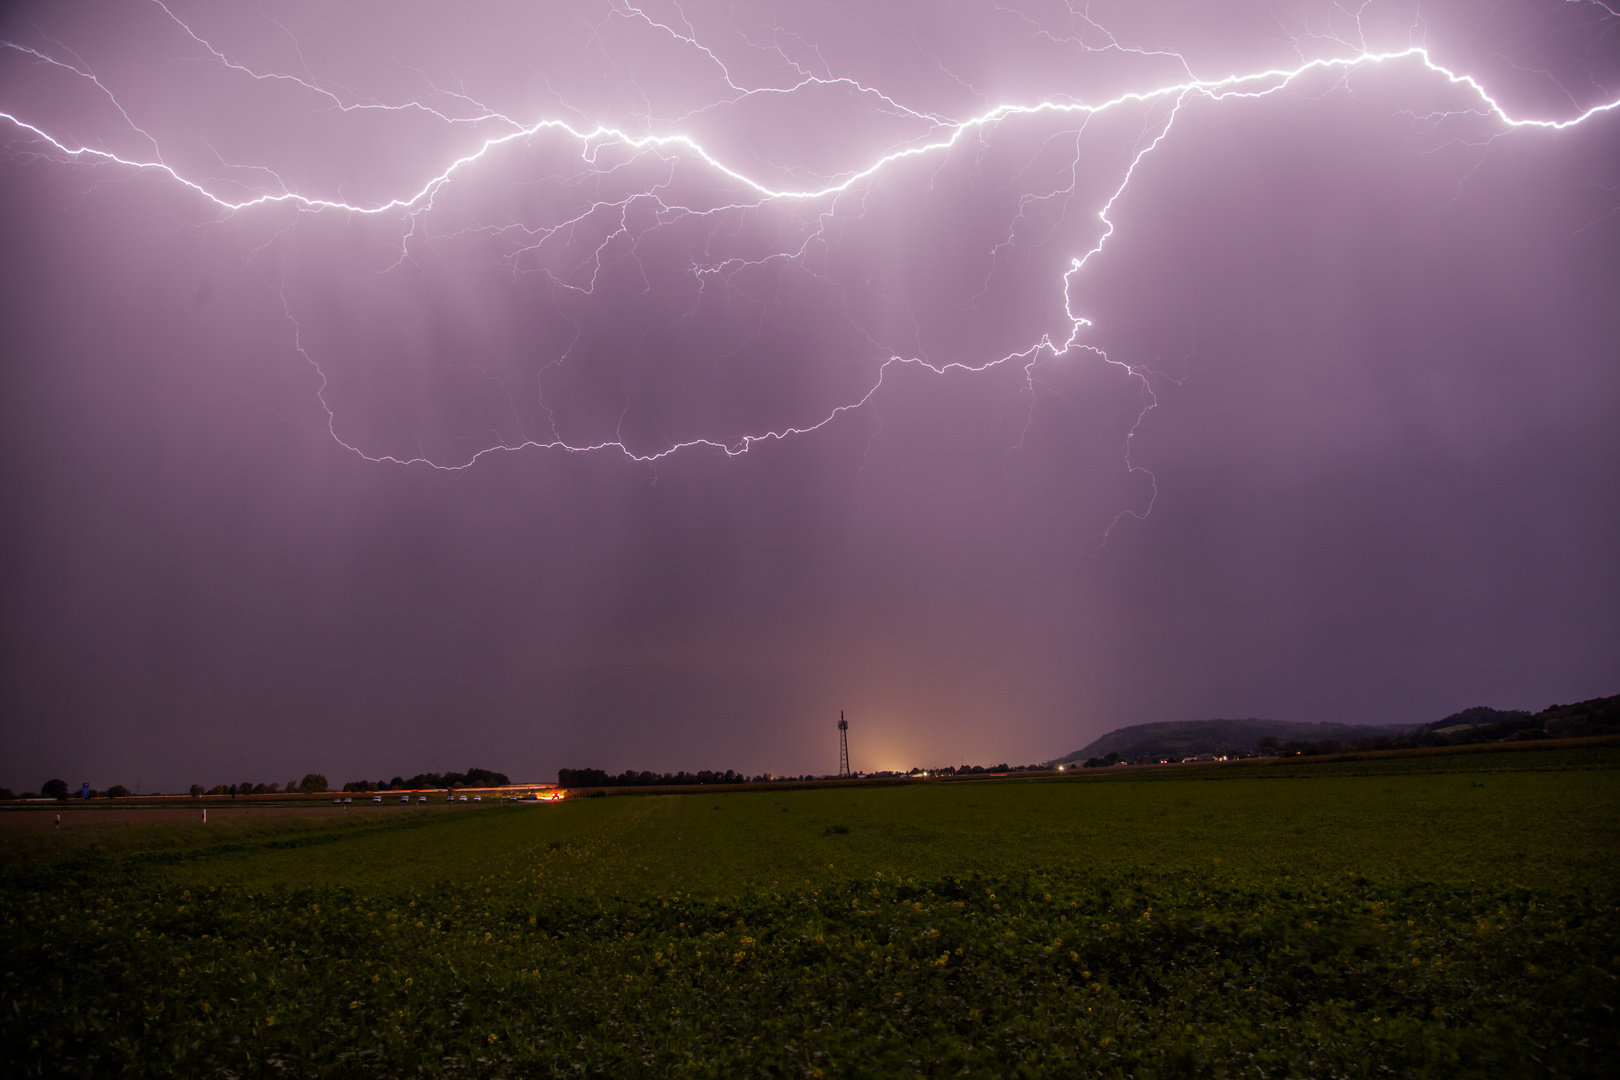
(843, 746)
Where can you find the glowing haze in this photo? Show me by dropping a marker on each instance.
(394, 387)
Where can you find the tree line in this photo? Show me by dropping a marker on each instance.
(582, 778)
(632, 778)
(1269, 746)
(58, 789)
(312, 783)
(472, 778)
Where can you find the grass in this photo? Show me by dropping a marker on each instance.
(1418, 917)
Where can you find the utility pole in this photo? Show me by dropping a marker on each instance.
(843, 746)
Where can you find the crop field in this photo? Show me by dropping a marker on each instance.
(1455, 916)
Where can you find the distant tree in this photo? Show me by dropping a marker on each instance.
(274, 788)
(313, 782)
(217, 789)
(292, 785)
(54, 789)
(118, 791)
(260, 789)
(5, 793)
(581, 777)
(196, 791)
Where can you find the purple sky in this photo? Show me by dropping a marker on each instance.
(743, 370)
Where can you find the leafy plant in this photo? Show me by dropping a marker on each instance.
(1076, 928)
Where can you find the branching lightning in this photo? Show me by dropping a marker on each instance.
(1160, 106)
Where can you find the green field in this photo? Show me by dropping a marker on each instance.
(1451, 916)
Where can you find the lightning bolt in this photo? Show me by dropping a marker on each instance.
(604, 150)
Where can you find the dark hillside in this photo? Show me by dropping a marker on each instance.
(1598, 716)
(1189, 738)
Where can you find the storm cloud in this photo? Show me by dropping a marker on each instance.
(393, 387)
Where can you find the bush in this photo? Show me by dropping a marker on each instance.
(1106, 976)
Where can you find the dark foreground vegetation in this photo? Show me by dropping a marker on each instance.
(1373, 919)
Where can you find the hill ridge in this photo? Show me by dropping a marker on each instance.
(1188, 738)
(1185, 738)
